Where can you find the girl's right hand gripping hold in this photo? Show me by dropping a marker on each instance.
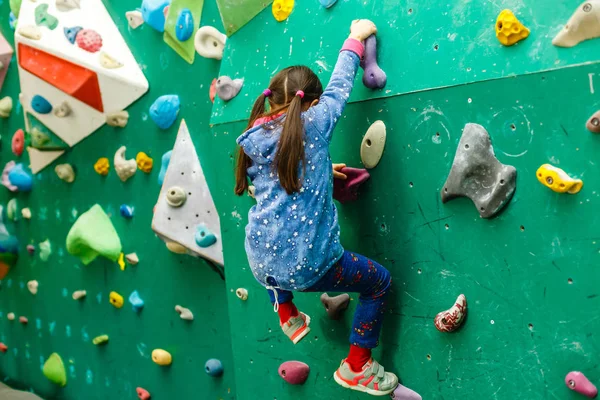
(362, 29)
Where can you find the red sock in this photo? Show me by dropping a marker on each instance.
(286, 311)
(358, 357)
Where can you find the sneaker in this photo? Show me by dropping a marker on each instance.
(372, 379)
(297, 327)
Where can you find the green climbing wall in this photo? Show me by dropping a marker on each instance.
(59, 324)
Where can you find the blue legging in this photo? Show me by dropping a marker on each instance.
(358, 274)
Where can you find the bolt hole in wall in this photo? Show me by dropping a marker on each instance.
(436, 47)
(447, 226)
(570, 281)
(429, 357)
(410, 184)
(530, 327)
(513, 127)
(522, 228)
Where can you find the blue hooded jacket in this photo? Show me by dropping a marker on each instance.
(292, 240)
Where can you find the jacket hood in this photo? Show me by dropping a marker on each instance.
(260, 142)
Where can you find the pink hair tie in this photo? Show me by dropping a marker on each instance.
(267, 92)
(300, 93)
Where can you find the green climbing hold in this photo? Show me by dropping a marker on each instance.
(42, 18)
(92, 235)
(39, 139)
(15, 7)
(54, 370)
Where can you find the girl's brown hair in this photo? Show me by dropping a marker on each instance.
(290, 149)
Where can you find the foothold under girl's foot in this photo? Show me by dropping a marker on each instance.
(578, 382)
(404, 393)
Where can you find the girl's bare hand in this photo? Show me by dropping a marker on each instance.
(336, 171)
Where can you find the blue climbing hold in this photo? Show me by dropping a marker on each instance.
(40, 105)
(204, 237)
(20, 178)
(126, 211)
(327, 3)
(136, 301)
(71, 33)
(164, 110)
(12, 20)
(153, 13)
(214, 367)
(185, 25)
(164, 164)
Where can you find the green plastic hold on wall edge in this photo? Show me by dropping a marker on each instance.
(185, 49)
(54, 370)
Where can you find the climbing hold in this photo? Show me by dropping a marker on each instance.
(373, 77)
(3, 348)
(136, 301)
(176, 196)
(584, 24)
(164, 110)
(30, 32)
(5, 181)
(228, 88)
(79, 294)
(242, 294)
(40, 105)
(161, 357)
(212, 92)
(209, 42)
(294, 372)
(109, 62)
(509, 30)
(327, 3)
(477, 174)
(213, 367)
(134, 18)
(347, 190)
(92, 235)
(117, 119)
(142, 393)
(43, 18)
(373, 144)
(45, 250)
(132, 258)
(54, 370)
(152, 12)
(164, 164)
(126, 211)
(67, 5)
(124, 168)
(89, 40)
(451, 319)
(71, 33)
(185, 25)
(65, 172)
(116, 299)
(20, 178)
(593, 124)
(10, 316)
(102, 166)
(144, 162)
(558, 180)
(98, 340)
(121, 262)
(282, 9)
(62, 110)
(39, 139)
(30, 249)
(26, 213)
(11, 209)
(176, 247)
(23, 320)
(32, 286)
(6, 106)
(18, 142)
(578, 382)
(184, 313)
(15, 7)
(204, 237)
(335, 306)
(12, 21)
(404, 393)
(252, 191)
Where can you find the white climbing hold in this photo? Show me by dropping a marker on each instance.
(242, 294)
(132, 259)
(79, 294)
(373, 144)
(135, 19)
(45, 250)
(176, 247)
(62, 110)
(109, 62)
(184, 313)
(10, 316)
(65, 172)
(33, 286)
(251, 191)
(67, 5)
(117, 119)
(176, 196)
(584, 24)
(30, 32)
(6, 106)
(125, 168)
(26, 213)
(209, 42)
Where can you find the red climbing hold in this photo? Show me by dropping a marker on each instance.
(23, 320)
(18, 142)
(213, 90)
(3, 347)
(294, 372)
(142, 393)
(347, 190)
(89, 40)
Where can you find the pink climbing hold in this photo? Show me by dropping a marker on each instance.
(577, 382)
(347, 190)
(89, 40)
(404, 393)
(213, 90)
(23, 320)
(31, 249)
(142, 393)
(166, 11)
(18, 142)
(294, 372)
(3, 347)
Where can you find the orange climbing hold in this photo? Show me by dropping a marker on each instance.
(102, 166)
(3, 348)
(509, 30)
(72, 79)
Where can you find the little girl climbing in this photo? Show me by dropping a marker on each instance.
(293, 235)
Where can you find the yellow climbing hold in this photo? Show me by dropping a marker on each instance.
(102, 339)
(558, 180)
(282, 9)
(509, 30)
(122, 261)
(116, 299)
(102, 165)
(161, 357)
(144, 162)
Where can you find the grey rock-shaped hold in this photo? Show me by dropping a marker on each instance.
(228, 88)
(477, 174)
(335, 306)
(62, 110)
